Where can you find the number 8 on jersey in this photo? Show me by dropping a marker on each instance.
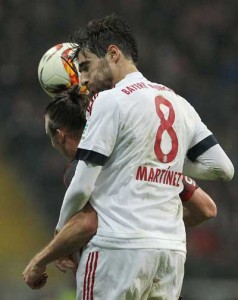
(165, 125)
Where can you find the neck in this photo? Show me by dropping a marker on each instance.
(125, 67)
(70, 154)
(71, 148)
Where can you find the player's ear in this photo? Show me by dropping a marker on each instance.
(113, 53)
(60, 136)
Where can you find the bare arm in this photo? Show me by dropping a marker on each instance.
(73, 236)
(198, 209)
(198, 206)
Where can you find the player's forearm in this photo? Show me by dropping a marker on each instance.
(74, 236)
(198, 209)
(59, 247)
(190, 220)
(211, 165)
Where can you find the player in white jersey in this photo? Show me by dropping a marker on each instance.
(130, 166)
(65, 134)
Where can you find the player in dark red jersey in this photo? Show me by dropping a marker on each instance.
(65, 134)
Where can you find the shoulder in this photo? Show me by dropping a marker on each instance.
(185, 104)
(106, 99)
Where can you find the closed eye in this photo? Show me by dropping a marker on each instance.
(83, 66)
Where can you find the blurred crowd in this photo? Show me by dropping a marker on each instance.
(190, 46)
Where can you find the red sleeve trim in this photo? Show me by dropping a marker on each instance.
(189, 188)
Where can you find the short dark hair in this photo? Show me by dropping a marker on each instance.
(99, 34)
(68, 110)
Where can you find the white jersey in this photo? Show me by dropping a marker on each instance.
(141, 141)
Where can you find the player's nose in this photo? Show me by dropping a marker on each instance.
(83, 79)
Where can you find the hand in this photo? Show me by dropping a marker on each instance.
(35, 275)
(65, 263)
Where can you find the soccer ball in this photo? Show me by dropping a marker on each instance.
(57, 71)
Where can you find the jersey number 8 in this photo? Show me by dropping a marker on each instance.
(165, 125)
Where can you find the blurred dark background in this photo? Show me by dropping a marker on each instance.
(190, 46)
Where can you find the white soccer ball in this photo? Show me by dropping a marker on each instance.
(57, 71)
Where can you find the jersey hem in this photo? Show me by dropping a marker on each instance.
(139, 243)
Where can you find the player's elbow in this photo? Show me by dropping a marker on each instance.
(225, 171)
(84, 225)
(89, 220)
(210, 211)
(228, 171)
(202, 206)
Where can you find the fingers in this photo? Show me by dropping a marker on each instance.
(64, 264)
(59, 266)
(41, 281)
(35, 276)
(36, 283)
(68, 264)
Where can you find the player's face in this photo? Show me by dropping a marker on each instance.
(96, 72)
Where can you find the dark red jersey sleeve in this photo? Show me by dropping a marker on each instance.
(189, 187)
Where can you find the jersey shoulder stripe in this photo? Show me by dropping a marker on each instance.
(201, 147)
(91, 156)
